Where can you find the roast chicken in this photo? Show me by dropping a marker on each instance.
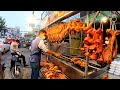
(51, 71)
(58, 32)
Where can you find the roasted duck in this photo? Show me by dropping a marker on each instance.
(110, 52)
(93, 42)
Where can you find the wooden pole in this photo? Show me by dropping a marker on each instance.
(93, 19)
(87, 18)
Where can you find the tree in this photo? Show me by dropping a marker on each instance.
(2, 23)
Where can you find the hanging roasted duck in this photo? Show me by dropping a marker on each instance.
(93, 42)
(110, 52)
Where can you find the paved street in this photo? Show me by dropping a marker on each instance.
(26, 70)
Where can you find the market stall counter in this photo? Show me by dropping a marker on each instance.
(95, 58)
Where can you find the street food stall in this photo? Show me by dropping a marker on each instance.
(76, 36)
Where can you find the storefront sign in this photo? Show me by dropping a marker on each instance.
(52, 17)
(57, 14)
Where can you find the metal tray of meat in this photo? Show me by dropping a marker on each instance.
(42, 72)
(45, 77)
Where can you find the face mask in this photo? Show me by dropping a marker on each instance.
(106, 42)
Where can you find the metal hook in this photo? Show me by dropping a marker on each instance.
(114, 19)
(94, 24)
(110, 23)
(102, 26)
(113, 25)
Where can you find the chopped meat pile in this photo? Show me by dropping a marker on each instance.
(105, 76)
(51, 71)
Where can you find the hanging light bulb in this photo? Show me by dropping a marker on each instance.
(104, 19)
(30, 29)
(32, 19)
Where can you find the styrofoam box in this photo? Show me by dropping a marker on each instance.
(117, 65)
(116, 73)
(113, 67)
(111, 71)
(114, 62)
(117, 68)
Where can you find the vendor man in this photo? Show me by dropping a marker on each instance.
(38, 45)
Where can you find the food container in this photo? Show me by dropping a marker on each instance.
(112, 67)
(118, 64)
(117, 67)
(114, 62)
(111, 72)
(116, 73)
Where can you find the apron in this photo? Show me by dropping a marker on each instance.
(35, 59)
